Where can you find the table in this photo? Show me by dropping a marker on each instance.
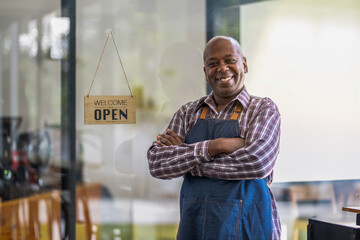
(354, 210)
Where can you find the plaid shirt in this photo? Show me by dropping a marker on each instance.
(259, 124)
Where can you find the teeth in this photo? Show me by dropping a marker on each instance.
(225, 79)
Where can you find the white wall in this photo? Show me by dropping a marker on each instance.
(305, 55)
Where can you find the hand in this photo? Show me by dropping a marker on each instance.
(225, 145)
(168, 139)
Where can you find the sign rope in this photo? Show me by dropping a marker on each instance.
(109, 33)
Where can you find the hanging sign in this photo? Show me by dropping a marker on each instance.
(109, 109)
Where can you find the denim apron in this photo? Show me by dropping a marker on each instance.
(222, 209)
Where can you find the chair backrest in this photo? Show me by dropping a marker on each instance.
(88, 208)
(10, 221)
(39, 216)
(25, 218)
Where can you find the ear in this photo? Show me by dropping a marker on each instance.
(205, 73)
(245, 65)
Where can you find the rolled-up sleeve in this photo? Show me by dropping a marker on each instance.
(167, 162)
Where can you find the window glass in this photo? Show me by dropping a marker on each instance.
(304, 56)
(301, 54)
(160, 44)
(30, 116)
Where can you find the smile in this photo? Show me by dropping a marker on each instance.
(223, 80)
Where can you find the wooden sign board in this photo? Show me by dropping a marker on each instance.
(109, 109)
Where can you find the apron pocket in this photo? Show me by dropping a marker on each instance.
(210, 218)
(222, 220)
(192, 220)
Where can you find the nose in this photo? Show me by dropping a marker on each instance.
(222, 67)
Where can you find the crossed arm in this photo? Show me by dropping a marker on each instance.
(216, 146)
(223, 158)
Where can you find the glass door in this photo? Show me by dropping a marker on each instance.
(37, 156)
(304, 56)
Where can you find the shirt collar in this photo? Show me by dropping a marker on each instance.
(243, 98)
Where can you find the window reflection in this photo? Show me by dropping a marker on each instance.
(161, 46)
(29, 115)
(28, 105)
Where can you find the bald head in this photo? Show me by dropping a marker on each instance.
(217, 39)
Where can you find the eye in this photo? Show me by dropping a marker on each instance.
(213, 64)
(230, 61)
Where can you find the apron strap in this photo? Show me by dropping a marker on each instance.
(237, 112)
(204, 112)
(235, 115)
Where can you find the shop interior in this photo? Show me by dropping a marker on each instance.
(302, 54)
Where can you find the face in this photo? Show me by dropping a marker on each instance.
(225, 69)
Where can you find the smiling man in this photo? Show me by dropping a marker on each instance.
(225, 146)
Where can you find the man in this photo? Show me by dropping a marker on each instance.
(225, 145)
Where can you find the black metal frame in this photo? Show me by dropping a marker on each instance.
(68, 126)
(214, 6)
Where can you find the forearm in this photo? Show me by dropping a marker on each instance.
(167, 162)
(225, 145)
(249, 162)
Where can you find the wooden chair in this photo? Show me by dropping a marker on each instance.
(35, 217)
(10, 221)
(88, 210)
(39, 216)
